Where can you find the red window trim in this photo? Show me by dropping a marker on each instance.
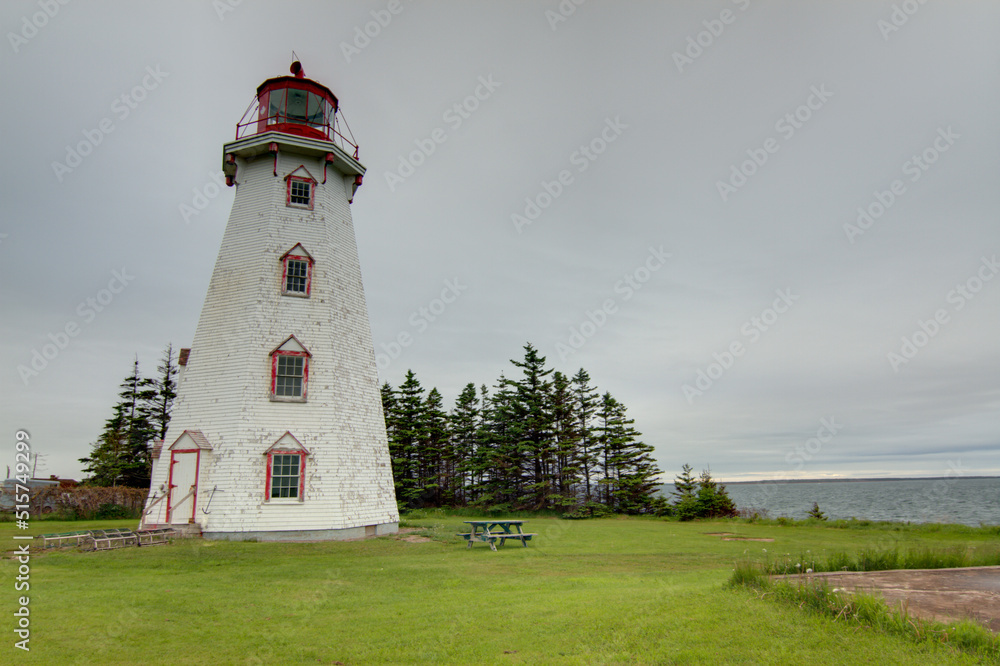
(288, 192)
(284, 274)
(274, 376)
(302, 473)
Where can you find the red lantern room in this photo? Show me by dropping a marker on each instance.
(296, 114)
(294, 105)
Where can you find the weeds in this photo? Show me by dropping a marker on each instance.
(875, 559)
(865, 609)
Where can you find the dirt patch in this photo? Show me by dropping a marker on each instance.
(413, 538)
(733, 536)
(407, 534)
(945, 595)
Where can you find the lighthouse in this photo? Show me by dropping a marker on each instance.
(277, 431)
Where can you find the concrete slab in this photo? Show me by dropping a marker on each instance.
(939, 594)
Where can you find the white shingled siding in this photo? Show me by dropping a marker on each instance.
(226, 389)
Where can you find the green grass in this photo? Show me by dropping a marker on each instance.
(864, 610)
(611, 591)
(874, 558)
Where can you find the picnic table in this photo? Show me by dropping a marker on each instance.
(491, 531)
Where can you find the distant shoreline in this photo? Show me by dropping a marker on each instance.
(883, 478)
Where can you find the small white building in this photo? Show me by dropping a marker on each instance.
(277, 432)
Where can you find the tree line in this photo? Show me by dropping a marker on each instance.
(542, 440)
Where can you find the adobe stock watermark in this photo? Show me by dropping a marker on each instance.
(898, 17)
(927, 329)
(786, 126)
(915, 168)
(86, 312)
(564, 10)
(30, 25)
(122, 107)
(581, 158)
(752, 329)
(594, 320)
(202, 196)
(364, 34)
(800, 454)
(804, 452)
(940, 489)
(454, 117)
(697, 44)
(420, 320)
(223, 7)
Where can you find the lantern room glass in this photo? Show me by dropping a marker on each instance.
(301, 107)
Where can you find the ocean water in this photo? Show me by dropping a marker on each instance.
(950, 500)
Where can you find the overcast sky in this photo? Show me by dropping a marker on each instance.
(665, 194)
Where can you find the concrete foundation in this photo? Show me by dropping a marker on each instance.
(307, 535)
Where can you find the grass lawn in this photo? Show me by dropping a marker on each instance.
(629, 591)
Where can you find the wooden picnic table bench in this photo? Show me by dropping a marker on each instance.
(486, 531)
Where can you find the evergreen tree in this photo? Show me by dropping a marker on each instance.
(464, 425)
(567, 440)
(816, 513)
(532, 424)
(702, 497)
(436, 468)
(540, 441)
(502, 479)
(389, 409)
(121, 455)
(158, 404)
(629, 470)
(585, 407)
(482, 462)
(713, 500)
(404, 446)
(685, 494)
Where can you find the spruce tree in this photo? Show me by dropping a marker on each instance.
(436, 460)
(585, 407)
(158, 404)
(121, 455)
(629, 470)
(404, 447)
(713, 500)
(503, 482)
(464, 425)
(685, 494)
(567, 440)
(532, 425)
(483, 461)
(389, 408)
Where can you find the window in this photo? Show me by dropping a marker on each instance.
(296, 104)
(296, 276)
(276, 106)
(301, 189)
(289, 371)
(296, 272)
(286, 470)
(289, 376)
(286, 474)
(299, 192)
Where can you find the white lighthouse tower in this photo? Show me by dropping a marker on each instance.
(277, 431)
